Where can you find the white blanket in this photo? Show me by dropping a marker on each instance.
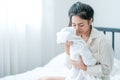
(55, 69)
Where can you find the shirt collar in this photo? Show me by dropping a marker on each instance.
(93, 35)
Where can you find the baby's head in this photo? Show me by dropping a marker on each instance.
(72, 30)
(66, 34)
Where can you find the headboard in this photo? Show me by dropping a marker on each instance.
(113, 32)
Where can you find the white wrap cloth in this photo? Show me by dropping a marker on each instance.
(77, 48)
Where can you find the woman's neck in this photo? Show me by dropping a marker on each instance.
(86, 35)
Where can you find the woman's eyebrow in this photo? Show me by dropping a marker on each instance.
(78, 23)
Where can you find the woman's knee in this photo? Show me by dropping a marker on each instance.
(45, 78)
(52, 78)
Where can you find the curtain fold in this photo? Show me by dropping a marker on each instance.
(27, 35)
(20, 36)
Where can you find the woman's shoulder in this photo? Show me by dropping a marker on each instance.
(96, 33)
(101, 36)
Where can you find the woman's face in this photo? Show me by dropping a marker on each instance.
(82, 26)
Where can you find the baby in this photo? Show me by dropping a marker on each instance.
(78, 48)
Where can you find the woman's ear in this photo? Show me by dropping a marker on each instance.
(91, 21)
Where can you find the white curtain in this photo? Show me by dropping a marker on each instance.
(27, 36)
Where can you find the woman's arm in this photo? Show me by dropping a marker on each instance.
(67, 48)
(79, 64)
(67, 56)
(106, 56)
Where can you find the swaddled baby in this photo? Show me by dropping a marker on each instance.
(78, 48)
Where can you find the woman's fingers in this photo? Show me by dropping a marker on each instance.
(81, 61)
(79, 64)
(67, 43)
(75, 63)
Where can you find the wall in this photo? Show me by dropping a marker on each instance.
(106, 14)
(61, 18)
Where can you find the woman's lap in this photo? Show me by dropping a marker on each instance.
(52, 78)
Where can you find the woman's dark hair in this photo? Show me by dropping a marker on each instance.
(82, 10)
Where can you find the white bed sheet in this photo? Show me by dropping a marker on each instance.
(56, 67)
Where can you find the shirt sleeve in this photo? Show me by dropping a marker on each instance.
(67, 61)
(106, 57)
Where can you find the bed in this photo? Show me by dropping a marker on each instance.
(53, 68)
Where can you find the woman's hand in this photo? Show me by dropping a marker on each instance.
(79, 64)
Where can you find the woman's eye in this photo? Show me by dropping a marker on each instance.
(81, 25)
(73, 25)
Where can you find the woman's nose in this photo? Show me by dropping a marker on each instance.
(77, 27)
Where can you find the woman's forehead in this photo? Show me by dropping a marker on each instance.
(77, 19)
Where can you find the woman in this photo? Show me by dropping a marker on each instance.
(81, 18)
